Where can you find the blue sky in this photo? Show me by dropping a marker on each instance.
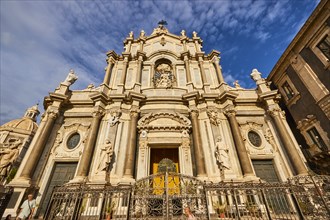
(42, 40)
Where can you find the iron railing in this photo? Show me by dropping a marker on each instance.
(164, 196)
(5, 195)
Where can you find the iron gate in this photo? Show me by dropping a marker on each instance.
(165, 195)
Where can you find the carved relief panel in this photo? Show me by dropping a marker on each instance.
(69, 140)
(164, 77)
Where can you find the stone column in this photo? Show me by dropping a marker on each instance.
(286, 140)
(218, 70)
(152, 74)
(198, 150)
(186, 63)
(138, 71)
(137, 85)
(204, 80)
(239, 143)
(107, 76)
(37, 149)
(87, 155)
(123, 75)
(130, 159)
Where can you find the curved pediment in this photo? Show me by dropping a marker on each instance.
(164, 121)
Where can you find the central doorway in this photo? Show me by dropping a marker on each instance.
(158, 154)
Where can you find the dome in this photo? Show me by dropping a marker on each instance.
(23, 123)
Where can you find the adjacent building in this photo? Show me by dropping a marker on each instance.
(302, 76)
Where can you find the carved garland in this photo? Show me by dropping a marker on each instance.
(144, 122)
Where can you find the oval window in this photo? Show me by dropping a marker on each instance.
(254, 138)
(73, 140)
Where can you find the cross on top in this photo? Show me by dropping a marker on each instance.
(162, 23)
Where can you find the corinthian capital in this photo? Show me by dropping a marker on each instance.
(97, 113)
(52, 113)
(194, 112)
(230, 111)
(275, 111)
(134, 112)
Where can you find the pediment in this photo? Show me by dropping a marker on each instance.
(164, 121)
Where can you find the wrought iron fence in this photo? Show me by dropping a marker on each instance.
(5, 196)
(89, 202)
(164, 196)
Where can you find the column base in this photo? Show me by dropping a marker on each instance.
(137, 87)
(202, 177)
(206, 87)
(250, 177)
(127, 179)
(190, 86)
(20, 182)
(79, 179)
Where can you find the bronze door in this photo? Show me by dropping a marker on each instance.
(62, 173)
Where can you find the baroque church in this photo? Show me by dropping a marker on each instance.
(163, 106)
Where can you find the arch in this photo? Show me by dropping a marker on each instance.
(161, 54)
(182, 120)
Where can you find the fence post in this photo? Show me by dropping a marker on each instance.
(206, 202)
(235, 200)
(318, 190)
(266, 203)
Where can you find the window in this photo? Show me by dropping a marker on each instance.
(316, 138)
(324, 46)
(265, 170)
(254, 138)
(73, 140)
(288, 90)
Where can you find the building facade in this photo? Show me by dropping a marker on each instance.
(163, 104)
(302, 76)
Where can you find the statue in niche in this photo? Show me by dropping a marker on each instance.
(8, 155)
(163, 76)
(105, 156)
(222, 155)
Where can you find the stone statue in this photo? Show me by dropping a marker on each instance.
(71, 78)
(221, 155)
(194, 34)
(256, 75)
(131, 34)
(142, 33)
(8, 155)
(236, 84)
(163, 77)
(183, 33)
(105, 156)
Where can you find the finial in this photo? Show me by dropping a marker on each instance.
(131, 35)
(194, 34)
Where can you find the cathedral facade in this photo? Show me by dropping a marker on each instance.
(162, 101)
